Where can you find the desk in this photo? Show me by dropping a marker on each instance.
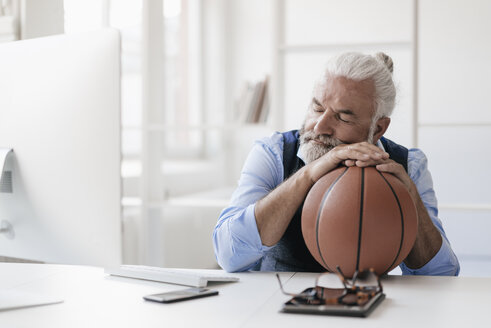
(93, 299)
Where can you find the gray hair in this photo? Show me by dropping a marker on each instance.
(358, 67)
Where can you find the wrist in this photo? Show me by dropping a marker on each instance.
(413, 191)
(307, 176)
(318, 168)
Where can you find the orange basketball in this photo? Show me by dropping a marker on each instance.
(359, 218)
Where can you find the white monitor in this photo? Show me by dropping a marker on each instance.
(60, 113)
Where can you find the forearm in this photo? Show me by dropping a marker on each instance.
(431, 253)
(428, 239)
(274, 212)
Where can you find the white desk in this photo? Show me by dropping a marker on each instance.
(93, 299)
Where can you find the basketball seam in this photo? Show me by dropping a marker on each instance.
(319, 215)
(360, 227)
(402, 221)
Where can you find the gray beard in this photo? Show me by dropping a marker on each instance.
(311, 150)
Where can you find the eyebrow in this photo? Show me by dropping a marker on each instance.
(346, 111)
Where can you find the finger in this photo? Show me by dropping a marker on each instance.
(389, 167)
(394, 168)
(363, 152)
(366, 163)
(384, 167)
(346, 153)
(349, 162)
(398, 171)
(371, 162)
(372, 151)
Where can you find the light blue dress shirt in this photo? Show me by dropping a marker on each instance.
(236, 240)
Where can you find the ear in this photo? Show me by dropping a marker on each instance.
(380, 128)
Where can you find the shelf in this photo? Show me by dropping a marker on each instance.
(453, 125)
(215, 198)
(132, 168)
(336, 46)
(219, 127)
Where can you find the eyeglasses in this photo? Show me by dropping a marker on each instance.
(333, 288)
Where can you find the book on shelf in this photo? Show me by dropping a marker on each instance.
(7, 29)
(7, 25)
(241, 107)
(252, 106)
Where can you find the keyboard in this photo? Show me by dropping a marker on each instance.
(187, 277)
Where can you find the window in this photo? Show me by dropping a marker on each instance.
(178, 126)
(182, 82)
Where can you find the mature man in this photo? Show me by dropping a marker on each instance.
(344, 125)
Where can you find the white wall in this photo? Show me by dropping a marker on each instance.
(40, 18)
(455, 117)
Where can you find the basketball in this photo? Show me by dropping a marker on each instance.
(359, 218)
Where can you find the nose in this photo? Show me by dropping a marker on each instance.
(326, 123)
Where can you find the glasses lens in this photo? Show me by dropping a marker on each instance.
(330, 280)
(366, 278)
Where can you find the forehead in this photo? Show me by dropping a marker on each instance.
(342, 93)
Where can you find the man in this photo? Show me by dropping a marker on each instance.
(344, 125)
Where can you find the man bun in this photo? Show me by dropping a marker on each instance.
(382, 57)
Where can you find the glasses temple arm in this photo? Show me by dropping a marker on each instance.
(281, 286)
(342, 276)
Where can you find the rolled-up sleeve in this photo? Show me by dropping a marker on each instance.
(445, 262)
(236, 240)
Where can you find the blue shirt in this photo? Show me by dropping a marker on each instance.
(236, 240)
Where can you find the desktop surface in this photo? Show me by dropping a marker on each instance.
(95, 299)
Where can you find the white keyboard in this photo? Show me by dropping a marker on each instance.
(187, 277)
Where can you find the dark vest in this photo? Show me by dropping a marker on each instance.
(291, 253)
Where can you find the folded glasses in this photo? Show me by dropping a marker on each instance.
(335, 288)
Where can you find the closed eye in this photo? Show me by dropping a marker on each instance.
(316, 106)
(338, 116)
(345, 115)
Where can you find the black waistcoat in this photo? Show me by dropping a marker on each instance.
(291, 253)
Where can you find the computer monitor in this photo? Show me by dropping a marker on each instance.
(60, 113)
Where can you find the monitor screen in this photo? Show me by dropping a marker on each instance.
(60, 113)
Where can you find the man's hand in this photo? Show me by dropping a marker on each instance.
(360, 154)
(390, 166)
